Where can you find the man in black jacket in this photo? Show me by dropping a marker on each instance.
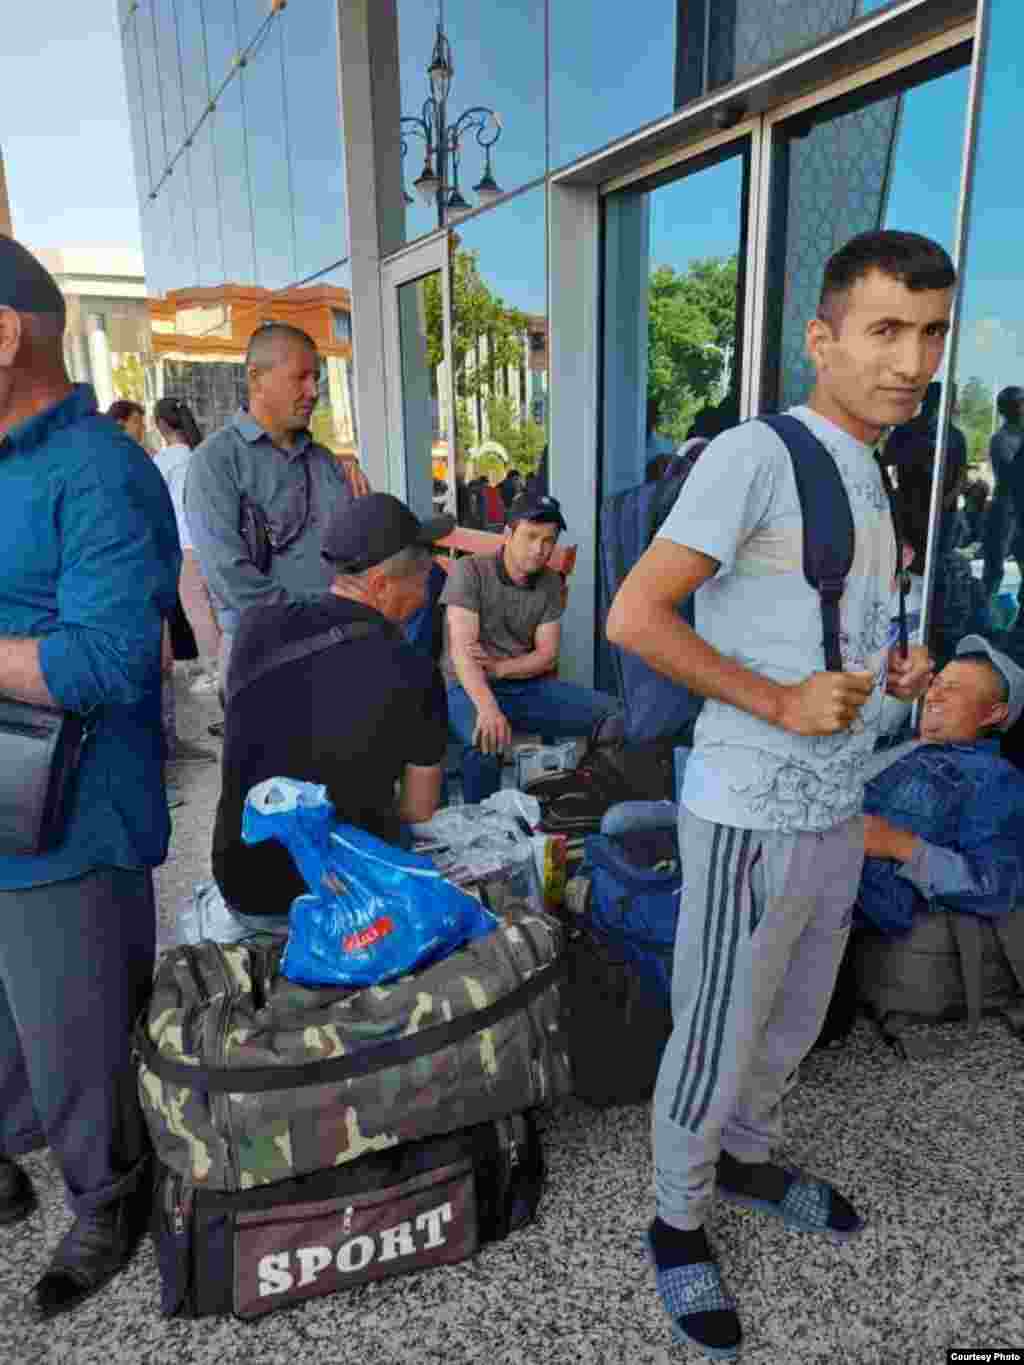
(351, 704)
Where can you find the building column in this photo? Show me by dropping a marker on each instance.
(574, 219)
(371, 109)
(99, 358)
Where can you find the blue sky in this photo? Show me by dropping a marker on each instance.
(64, 125)
(70, 169)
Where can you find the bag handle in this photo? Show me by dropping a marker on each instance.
(258, 1080)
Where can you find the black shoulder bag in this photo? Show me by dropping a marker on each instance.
(40, 748)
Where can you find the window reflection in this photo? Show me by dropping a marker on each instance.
(425, 413)
(987, 525)
(863, 163)
(608, 79)
(500, 358)
(674, 267)
(248, 222)
(496, 54)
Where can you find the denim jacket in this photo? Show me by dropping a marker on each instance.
(966, 805)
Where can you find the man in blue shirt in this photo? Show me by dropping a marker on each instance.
(944, 819)
(89, 564)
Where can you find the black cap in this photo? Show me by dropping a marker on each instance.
(25, 285)
(536, 507)
(371, 529)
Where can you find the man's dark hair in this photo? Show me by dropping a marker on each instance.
(268, 343)
(123, 408)
(1010, 401)
(916, 261)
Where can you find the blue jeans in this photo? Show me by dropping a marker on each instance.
(556, 710)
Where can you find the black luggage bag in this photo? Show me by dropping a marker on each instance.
(411, 1207)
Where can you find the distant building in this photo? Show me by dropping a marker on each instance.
(106, 343)
(200, 335)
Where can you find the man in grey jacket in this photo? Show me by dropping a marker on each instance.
(260, 491)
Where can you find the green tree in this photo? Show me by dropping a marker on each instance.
(130, 378)
(487, 339)
(975, 419)
(523, 439)
(691, 336)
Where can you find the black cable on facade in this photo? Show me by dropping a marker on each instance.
(209, 111)
(288, 151)
(245, 148)
(188, 142)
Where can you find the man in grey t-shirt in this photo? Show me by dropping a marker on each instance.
(772, 838)
(501, 648)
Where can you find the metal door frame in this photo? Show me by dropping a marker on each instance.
(422, 259)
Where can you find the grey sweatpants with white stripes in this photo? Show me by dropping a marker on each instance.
(763, 923)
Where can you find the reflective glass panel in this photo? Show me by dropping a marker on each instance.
(250, 224)
(674, 285)
(610, 78)
(860, 164)
(500, 356)
(982, 516)
(495, 54)
(425, 416)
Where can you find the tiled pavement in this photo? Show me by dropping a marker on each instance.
(930, 1151)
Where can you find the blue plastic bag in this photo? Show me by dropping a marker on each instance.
(374, 912)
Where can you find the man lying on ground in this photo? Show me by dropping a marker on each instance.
(944, 820)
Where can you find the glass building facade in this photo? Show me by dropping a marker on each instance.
(239, 161)
(542, 236)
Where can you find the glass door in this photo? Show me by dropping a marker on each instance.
(852, 164)
(675, 295)
(417, 339)
(858, 163)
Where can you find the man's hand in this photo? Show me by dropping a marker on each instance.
(479, 655)
(882, 840)
(493, 732)
(358, 481)
(911, 677)
(825, 703)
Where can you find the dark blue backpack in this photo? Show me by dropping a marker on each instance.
(635, 885)
(656, 707)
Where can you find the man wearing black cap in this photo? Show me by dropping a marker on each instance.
(327, 690)
(89, 562)
(501, 649)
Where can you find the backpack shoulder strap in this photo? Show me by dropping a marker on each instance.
(828, 523)
(301, 649)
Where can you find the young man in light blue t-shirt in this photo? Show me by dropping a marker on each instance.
(771, 832)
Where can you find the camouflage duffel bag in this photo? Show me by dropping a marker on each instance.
(246, 1078)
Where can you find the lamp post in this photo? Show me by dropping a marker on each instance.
(439, 179)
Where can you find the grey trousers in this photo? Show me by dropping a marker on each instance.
(763, 923)
(76, 967)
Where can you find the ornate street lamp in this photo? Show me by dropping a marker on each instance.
(439, 179)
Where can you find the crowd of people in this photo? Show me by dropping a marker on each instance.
(296, 584)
